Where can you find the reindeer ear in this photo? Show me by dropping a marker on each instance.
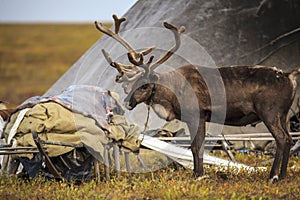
(153, 77)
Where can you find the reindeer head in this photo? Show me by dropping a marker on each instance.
(138, 79)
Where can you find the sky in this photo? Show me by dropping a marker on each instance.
(35, 11)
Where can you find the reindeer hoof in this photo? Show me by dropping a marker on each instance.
(200, 178)
(274, 179)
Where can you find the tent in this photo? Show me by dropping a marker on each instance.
(218, 33)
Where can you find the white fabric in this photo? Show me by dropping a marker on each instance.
(2, 123)
(14, 128)
(2, 141)
(185, 157)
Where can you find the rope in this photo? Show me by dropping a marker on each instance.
(146, 122)
(148, 110)
(147, 119)
(149, 106)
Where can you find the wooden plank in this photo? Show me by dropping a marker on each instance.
(116, 153)
(17, 152)
(127, 161)
(234, 137)
(226, 138)
(106, 162)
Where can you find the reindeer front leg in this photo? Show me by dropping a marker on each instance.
(197, 146)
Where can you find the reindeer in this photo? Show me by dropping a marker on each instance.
(241, 94)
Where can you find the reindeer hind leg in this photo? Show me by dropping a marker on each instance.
(197, 145)
(279, 131)
(286, 151)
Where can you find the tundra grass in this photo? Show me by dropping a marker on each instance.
(166, 183)
(34, 56)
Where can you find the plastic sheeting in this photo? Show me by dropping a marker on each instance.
(184, 156)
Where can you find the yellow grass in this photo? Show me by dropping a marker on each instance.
(34, 56)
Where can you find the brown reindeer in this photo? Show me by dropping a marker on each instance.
(237, 95)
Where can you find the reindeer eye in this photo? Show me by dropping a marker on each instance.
(144, 87)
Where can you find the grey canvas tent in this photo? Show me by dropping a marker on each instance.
(219, 33)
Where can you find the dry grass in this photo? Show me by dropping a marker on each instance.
(34, 56)
(165, 183)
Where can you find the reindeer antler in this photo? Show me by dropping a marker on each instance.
(129, 69)
(177, 32)
(148, 67)
(115, 34)
(130, 72)
(136, 57)
(117, 37)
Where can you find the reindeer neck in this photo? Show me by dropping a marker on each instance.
(163, 100)
(150, 100)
